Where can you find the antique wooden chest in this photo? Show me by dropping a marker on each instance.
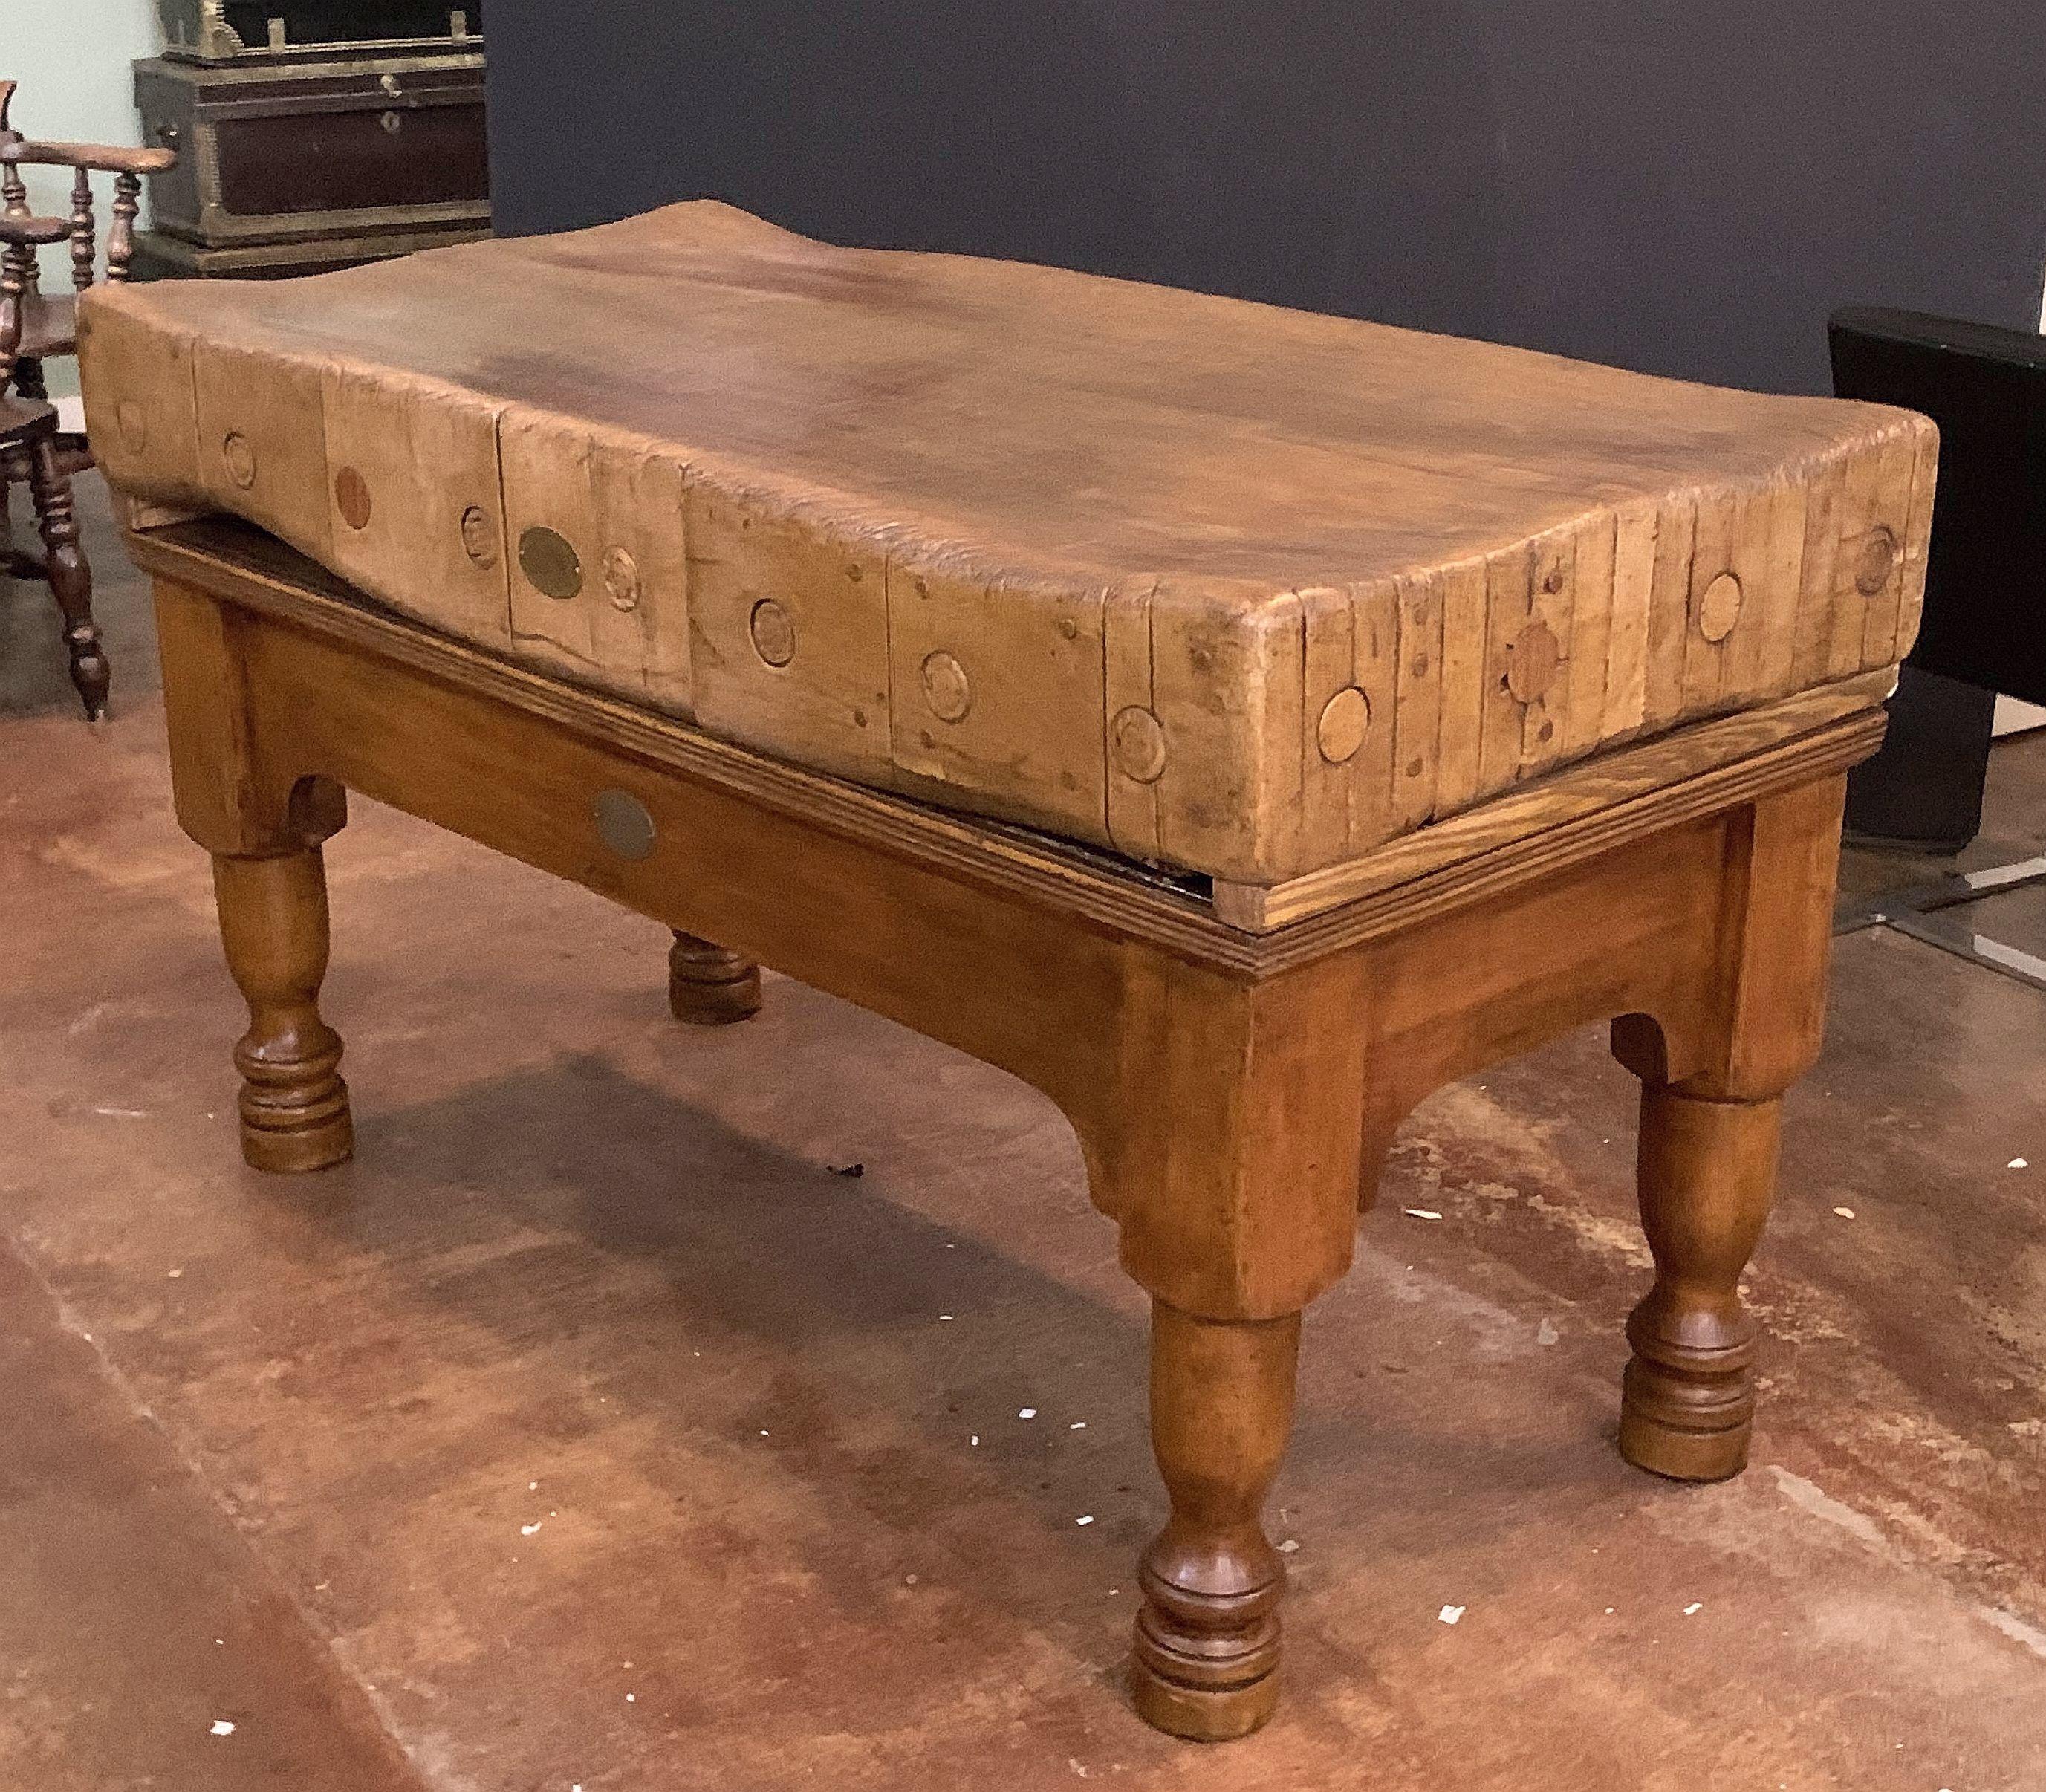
(311, 136)
(1237, 591)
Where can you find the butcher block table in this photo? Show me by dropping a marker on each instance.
(1234, 722)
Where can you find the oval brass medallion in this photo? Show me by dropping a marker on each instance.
(945, 687)
(623, 824)
(1531, 662)
(1719, 608)
(621, 578)
(351, 498)
(1874, 564)
(479, 537)
(1138, 743)
(549, 562)
(1345, 720)
(236, 450)
(773, 633)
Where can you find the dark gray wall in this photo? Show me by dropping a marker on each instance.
(1685, 188)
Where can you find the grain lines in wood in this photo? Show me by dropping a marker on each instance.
(1070, 593)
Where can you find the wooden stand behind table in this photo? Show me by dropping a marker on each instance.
(1233, 1093)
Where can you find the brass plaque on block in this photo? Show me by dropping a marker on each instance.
(549, 562)
(623, 824)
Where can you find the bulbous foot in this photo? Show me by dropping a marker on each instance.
(709, 986)
(295, 1114)
(1204, 1665)
(1686, 1410)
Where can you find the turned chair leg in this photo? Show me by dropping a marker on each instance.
(71, 579)
(1707, 1176)
(273, 924)
(1206, 1657)
(709, 986)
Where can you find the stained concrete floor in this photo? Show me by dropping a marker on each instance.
(596, 1428)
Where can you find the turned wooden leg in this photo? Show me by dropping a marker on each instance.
(274, 923)
(1707, 1174)
(71, 579)
(1206, 1658)
(709, 986)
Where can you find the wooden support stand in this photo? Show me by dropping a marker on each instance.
(1225, 1086)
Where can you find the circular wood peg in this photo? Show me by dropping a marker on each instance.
(351, 497)
(479, 537)
(621, 579)
(239, 455)
(1874, 564)
(1345, 720)
(1137, 741)
(1719, 608)
(946, 689)
(773, 633)
(1531, 662)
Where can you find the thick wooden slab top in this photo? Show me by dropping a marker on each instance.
(1197, 578)
(1031, 413)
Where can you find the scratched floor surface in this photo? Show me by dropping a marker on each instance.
(598, 1428)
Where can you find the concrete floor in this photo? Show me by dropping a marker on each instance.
(597, 1428)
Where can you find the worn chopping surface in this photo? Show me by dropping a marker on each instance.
(599, 1375)
(1063, 419)
(1245, 590)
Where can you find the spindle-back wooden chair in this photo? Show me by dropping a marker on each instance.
(36, 327)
